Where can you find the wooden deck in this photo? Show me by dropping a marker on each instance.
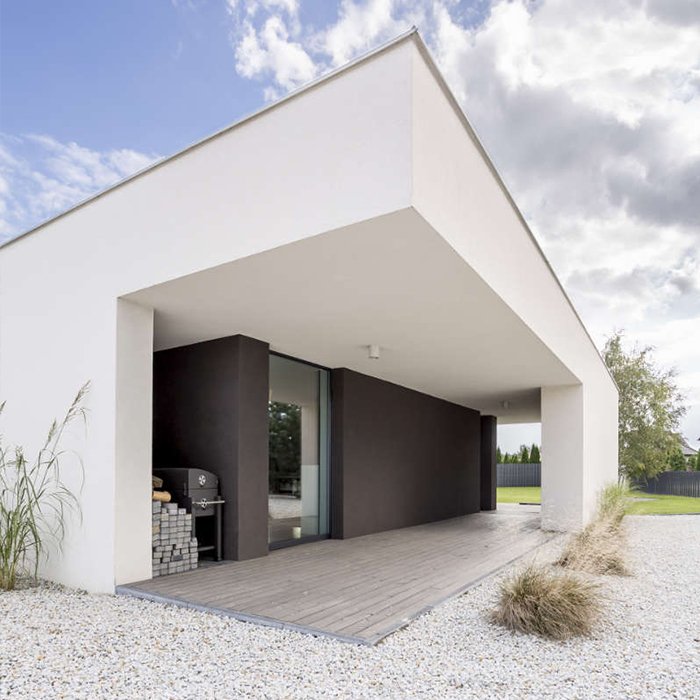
(357, 590)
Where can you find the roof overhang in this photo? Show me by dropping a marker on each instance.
(391, 281)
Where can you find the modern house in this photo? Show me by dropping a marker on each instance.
(347, 259)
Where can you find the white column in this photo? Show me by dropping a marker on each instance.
(600, 401)
(562, 457)
(134, 416)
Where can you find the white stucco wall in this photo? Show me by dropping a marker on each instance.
(563, 461)
(459, 194)
(375, 139)
(133, 442)
(337, 154)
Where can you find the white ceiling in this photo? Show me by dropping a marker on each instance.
(392, 281)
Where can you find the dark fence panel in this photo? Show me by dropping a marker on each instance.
(512, 474)
(673, 484)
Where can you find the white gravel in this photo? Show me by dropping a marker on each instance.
(60, 643)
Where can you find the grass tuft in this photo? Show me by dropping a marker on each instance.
(540, 601)
(613, 503)
(601, 547)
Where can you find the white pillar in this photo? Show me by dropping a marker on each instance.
(562, 457)
(579, 451)
(134, 416)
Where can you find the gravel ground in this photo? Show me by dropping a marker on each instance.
(61, 643)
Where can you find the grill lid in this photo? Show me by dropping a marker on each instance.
(185, 480)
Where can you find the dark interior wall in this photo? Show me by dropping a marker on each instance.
(210, 411)
(488, 462)
(399, 457)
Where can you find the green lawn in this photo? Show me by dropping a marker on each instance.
(660, 505)
(518, 494)
(663, 505)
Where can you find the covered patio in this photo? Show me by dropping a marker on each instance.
(357, 590)
(376, 244)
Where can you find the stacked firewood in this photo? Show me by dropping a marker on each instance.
(174, 547)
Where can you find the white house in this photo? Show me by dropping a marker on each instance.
(357, 217)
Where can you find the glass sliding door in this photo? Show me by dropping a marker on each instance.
(298, 494)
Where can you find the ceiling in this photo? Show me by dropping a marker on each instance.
(391, 281)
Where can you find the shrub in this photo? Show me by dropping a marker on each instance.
(540, 601)
(613, 502)
(34, 501)
(600, 548)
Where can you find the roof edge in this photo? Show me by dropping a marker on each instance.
(230, 127)
(471, 131)
(411, 33)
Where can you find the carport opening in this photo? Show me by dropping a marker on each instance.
(519, 465)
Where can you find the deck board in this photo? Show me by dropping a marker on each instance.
(359, 589)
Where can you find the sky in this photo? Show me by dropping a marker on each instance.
(590, 111)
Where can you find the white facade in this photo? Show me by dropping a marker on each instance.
(367, 199)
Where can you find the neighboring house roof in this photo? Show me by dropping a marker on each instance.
(688, 451)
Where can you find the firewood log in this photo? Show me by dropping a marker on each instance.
(162, 496)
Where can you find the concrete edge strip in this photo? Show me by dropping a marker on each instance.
(126, 590)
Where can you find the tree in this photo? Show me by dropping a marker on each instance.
(285, 442)
(535, 456)
(524, 454)
(499, 456)
(650, 409)
(676, 460)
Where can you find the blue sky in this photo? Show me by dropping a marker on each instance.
(591, 112)
(150, 76)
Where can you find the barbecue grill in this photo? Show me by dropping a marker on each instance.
(197, 491)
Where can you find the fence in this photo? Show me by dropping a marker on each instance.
(512, 474)
(673, 484)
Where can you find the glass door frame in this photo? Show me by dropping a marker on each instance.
(324, 453)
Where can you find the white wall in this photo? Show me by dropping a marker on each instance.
(377, 138)
(562, 457)
(276, 178)
(457, 192)
(600, 440)
(134, 428)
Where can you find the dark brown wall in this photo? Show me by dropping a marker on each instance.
(399, 457)
(210, 411)
(488, 462)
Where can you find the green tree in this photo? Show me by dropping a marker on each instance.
(535, 456)
(499, 456)
(650, 409)
(524, 454)
(285, 441)
(676, 460)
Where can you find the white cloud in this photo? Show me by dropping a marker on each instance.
(591, 112)
(361, 27)
(269, 50)
(40, 177)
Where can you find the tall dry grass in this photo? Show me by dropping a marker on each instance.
(35, 502)
(542, 601)
(601, 547)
